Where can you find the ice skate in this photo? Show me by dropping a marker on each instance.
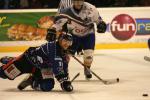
(87, 74)
(25, 82)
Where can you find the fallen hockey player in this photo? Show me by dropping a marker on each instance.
(43, 63)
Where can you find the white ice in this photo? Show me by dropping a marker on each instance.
(127, 64)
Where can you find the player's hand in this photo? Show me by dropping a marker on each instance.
(66, 86)
(101, 27)
(64, 82)
(51, 35)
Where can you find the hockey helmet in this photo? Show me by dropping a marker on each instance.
(65, 40)
(66, 36)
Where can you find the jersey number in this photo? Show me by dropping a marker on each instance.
(80, 30)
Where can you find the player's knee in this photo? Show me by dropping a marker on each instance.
(47, 84)
(88, 56)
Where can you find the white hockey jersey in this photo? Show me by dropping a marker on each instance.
(79, 24)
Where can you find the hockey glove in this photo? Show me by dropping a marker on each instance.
(66, 86)
(51, 35)
(64, 83)
(101, 27)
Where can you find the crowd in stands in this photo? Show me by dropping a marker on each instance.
(41, 4)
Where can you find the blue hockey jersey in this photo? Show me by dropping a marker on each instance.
(48, 55)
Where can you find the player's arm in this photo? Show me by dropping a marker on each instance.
(101, 25)
(57, 27)
(59, 70)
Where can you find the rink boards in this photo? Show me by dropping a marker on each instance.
(126, 28)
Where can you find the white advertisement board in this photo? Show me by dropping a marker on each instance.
(127, 27)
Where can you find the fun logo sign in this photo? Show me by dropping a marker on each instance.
(123, 27)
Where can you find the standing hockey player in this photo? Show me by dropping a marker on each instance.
(44, 63)
(79, 20)
(63, 5)
(149, 43)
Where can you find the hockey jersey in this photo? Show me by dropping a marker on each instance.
(49, 55)
(81, 23)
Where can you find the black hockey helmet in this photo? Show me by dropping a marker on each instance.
(66, 36)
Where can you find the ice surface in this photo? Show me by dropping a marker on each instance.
(127, 64)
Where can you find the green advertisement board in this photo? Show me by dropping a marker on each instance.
(7, 20)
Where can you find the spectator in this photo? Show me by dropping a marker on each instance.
(144, 2)
(33, 4)
(13, 4)
(120, 3)
(131, 3)
(50, 3)
(24, 4)
(2, 3)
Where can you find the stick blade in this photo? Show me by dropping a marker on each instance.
(111, 81)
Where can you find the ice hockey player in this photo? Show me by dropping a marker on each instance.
(26, 81)
(63, 5)
(149, 43)
(79, 20)
(44, 63)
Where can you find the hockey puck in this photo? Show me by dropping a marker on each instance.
(145, 94)
(117, 79)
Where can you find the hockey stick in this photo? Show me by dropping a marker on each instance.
(111, 81)
(147, 58)
(75, 77)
